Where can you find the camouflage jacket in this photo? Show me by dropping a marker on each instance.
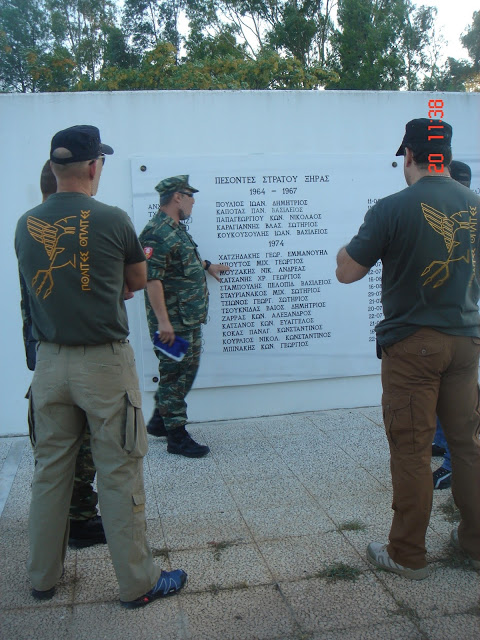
(173, 258)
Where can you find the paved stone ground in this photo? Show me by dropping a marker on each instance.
(271, 527)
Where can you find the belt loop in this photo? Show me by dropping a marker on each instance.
(115, 348)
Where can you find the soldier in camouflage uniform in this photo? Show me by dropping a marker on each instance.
(177, 305)
(86, 526)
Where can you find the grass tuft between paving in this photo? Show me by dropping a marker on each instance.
(338, 571)
(351, 525)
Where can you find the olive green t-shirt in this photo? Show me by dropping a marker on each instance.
(72, 251)
(427, 237)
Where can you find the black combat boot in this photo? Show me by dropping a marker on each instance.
(156, 426)
(85, 533)
(181, 443)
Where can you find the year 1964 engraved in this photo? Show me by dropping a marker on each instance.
(435, 111)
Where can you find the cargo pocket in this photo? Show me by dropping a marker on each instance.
(136, 443)
(397, 416)
(139, 521)
(138, 500)
(30, 418)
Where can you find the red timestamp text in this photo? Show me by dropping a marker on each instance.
(436, 160)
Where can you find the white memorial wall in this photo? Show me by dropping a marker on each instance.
(284, 180)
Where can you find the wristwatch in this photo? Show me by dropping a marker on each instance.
(207, 265)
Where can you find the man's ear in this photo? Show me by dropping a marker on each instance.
(408, 157)
(92, 169)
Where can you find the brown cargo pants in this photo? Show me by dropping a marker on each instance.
(425, 375)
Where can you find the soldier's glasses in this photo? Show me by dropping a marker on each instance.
(102, 158)
(186, 193)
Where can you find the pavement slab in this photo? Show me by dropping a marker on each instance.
(272, 528)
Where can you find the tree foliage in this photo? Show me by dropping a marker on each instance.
(381, 44)
(71, 45)
(461, 75)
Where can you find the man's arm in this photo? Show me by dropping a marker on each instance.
(348, 270)
(136, 276)
(157, 300)
(28, 339)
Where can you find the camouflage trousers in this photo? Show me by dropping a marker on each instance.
(176, 380)
(83, 505)
(84, 499)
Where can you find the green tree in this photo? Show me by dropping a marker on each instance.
(471, 41)
(117, 52)
(82, 27)
(461, 75)
(24, 37)
(381, 44)
(298, 28)
(149, 22)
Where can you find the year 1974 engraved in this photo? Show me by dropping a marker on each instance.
(435, 111)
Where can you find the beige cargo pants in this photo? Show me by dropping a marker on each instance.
(99, 383)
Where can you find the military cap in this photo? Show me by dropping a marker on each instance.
(461, 172)
(171, 185)
(419, 135)
(81, 141)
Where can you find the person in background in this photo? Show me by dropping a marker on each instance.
(442, 477)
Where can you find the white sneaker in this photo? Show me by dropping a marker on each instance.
(456, 543)
(377, 555)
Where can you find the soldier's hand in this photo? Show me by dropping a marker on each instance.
(127, 294)
(216, 269)
(166, 332)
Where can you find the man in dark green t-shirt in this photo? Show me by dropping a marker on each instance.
(77, 257)
(427, 237)
(86, 527)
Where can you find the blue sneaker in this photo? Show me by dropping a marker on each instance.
(169, 583)
(442, 478)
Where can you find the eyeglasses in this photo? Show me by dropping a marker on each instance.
(102, 158)
(186, 193)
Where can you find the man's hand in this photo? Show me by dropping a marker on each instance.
(166, 332)
(216, 269)
(127, 294)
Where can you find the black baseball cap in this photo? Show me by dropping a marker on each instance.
(460, 172)
(83, 142)
(417, 134)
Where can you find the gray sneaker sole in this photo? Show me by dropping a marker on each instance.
(411, 574)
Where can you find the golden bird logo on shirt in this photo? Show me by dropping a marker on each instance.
(49, 235)
(438, 271)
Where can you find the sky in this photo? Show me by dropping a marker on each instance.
(453, 18)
